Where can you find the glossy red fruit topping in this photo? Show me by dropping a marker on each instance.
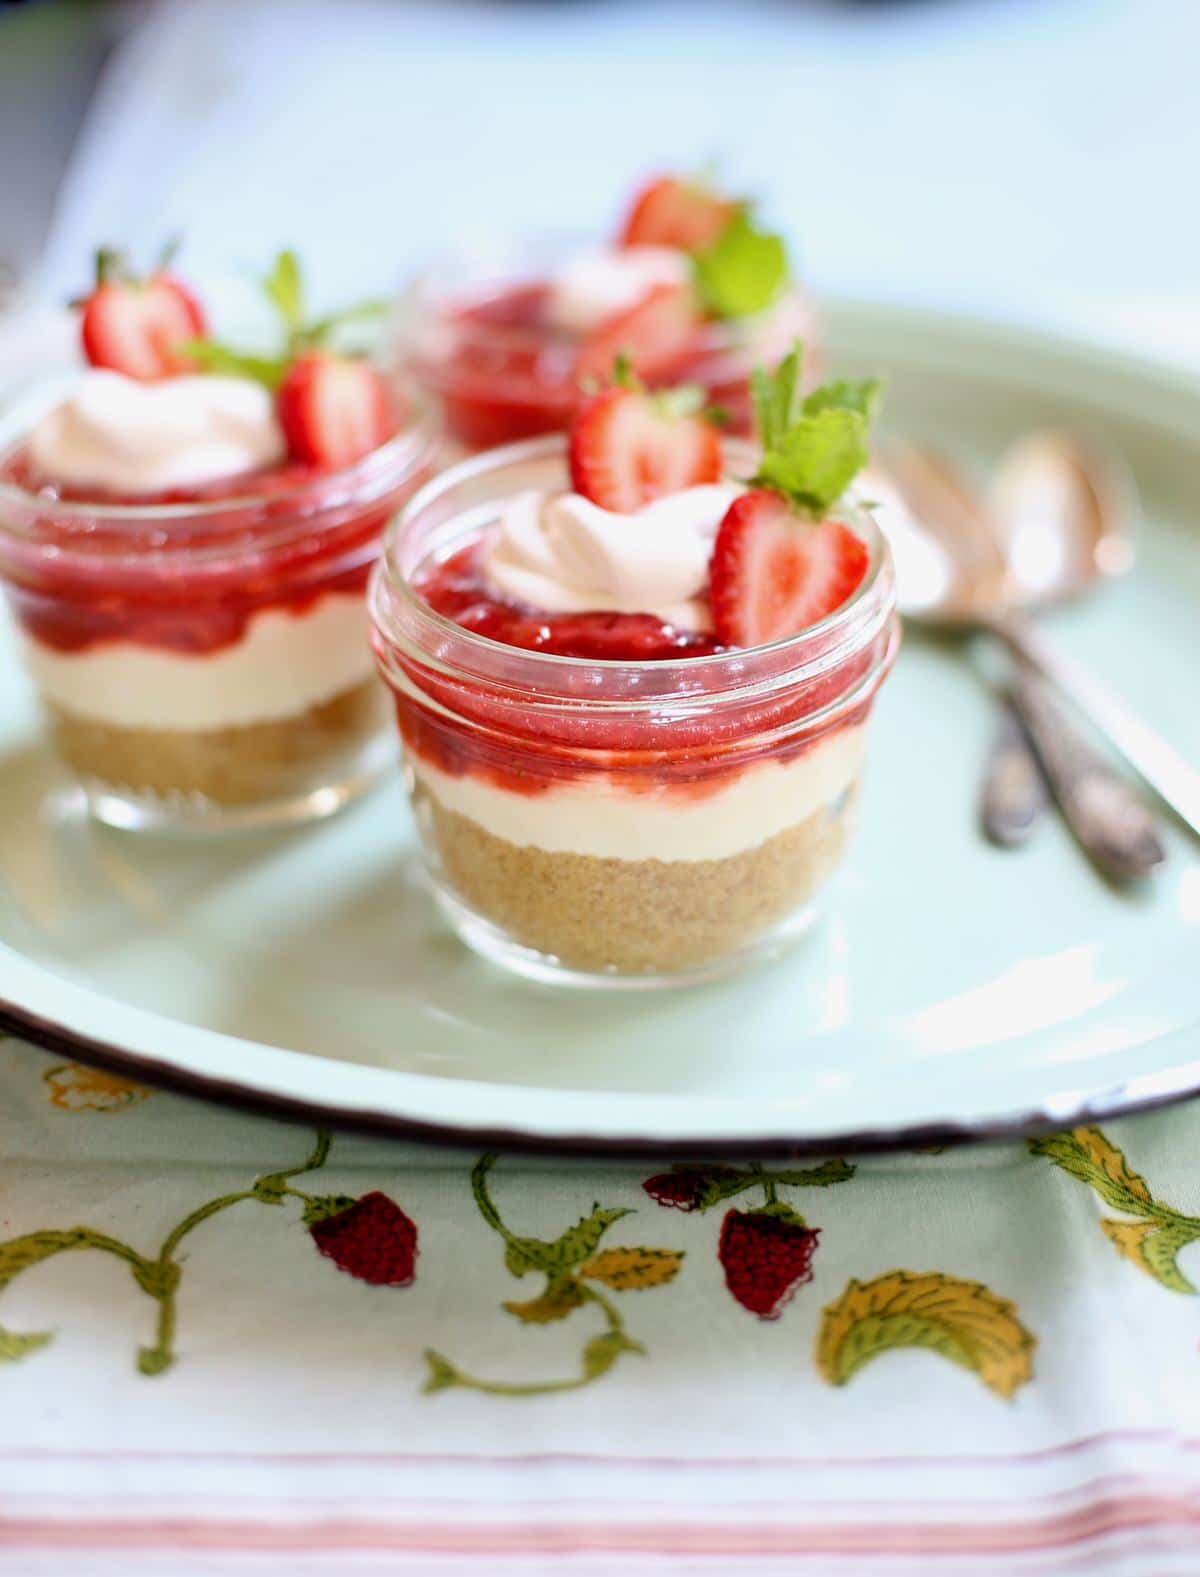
(334, 410)
(766, 1255)
(135, 326)
(776, 573)
(629, 448)
(370, 1238)
(669, 211)
(655, 336)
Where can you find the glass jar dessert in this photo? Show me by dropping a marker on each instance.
(185, 556)
(627, 766)
(691, 291)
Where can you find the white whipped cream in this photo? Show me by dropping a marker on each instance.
(283, 664)
(125, 436)
(602, 818)
(593, 286)
(563, 554)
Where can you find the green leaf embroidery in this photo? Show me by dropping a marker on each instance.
(1153, 1241)
(1153, 1246)
(1085, 1153)
(15, 1345)
(960, 1320)
(572, 1268)
(555, 1303)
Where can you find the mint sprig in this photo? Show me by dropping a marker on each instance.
(283, 286)
(743, 271)
(814, 446)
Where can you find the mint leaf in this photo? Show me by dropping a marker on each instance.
(225, 361)
(743, 271)
(862, 397)
(285, 289)
(777, 397)
(319, 334)
(812, 448)
(817, 458)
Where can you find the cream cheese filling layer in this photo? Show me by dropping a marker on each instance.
(284, 664)
(609, 822)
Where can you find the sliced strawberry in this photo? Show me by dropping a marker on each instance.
(333, 409)
(628, 448)
(672, 212)
(774, 573)
(655, 335)
(133, 327)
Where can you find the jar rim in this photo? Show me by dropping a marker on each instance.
(386, 466)
(870, 606)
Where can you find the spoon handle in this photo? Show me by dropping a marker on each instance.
(1013, 796)
(1161, 768)
(1108, 817)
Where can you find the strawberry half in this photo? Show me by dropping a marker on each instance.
(654, 335)
(333, 409)
(133, 326)
(672, 212)
(775, 573)
(628, 448)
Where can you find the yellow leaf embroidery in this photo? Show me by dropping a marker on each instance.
(961, 1320)
(74, 1088)
(554, 1304)
(1105, 1155)
(631, 1269)
(1127, 1237)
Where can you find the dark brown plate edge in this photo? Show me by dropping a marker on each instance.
(1121, 1101)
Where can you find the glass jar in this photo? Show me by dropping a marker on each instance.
(599, 822)
(203, 663)
(469, 332)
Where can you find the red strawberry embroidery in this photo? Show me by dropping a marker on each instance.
(766, 1255)
(689, 1188)
(370, 1238)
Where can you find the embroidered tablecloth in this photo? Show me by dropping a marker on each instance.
(232, 1345)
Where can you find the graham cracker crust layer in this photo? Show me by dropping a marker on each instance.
(253, 764)
(636, 916)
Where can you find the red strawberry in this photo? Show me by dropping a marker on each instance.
(767, 1254)
(774, 573)
(690, 1188)
(333, 409)
(628, 448)
(132, 326)
(655, 335)
(672, 212)
(370, 1238)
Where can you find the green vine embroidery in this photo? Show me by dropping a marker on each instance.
(575, 1270)
(158, 1276)
(1151, 1242)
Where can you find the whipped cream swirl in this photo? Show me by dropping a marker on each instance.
(593, 286)
(124, 436)
(561, 553)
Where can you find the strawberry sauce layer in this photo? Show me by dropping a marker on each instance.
(458, 590)
(510, 374)
(191, 585)
(473, 726)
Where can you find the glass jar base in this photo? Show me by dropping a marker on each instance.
(490, 942)
(187, 814)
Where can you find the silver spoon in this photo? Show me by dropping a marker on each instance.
(951, 578)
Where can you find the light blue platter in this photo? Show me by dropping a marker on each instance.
(954, 991)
